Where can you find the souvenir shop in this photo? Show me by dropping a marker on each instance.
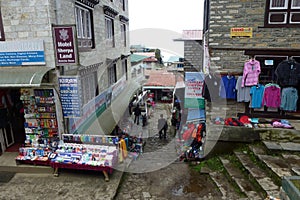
(268, 88)
(189, 119)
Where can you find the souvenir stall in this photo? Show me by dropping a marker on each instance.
(88, 152)
(192, 133)
(41, 126)
(269, 101)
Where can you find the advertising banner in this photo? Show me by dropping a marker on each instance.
(69, 89)
(194, 82)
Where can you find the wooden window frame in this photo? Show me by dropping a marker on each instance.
(284, 12)
(84, 27)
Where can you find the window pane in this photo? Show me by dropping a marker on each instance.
(295, 18)
(88, 24)
(277, 18)
(275, 4)
(295, 3)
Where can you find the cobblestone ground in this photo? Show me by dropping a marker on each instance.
(157, 174)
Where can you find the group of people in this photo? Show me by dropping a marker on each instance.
(162, 122)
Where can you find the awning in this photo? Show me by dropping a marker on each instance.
(22, 76)
(107, 121)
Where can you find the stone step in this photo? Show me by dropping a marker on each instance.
(238, 177)
(282, 146)
(277, 164)
(225, 187)
(261, 176)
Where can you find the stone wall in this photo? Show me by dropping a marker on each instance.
(227, 14)
(193, 53)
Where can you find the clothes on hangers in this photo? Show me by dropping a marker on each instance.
(243, 93)
(256, 93)
(289, 98)
(251, 73)
(288, 72)
(211, 87)
(272, 95)
(227, 87)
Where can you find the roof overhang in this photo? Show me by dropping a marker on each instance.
(30, 76)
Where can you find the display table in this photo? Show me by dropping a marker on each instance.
(105, 169)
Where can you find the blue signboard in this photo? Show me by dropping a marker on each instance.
(70, 97)
(20, 53)
(22, 58)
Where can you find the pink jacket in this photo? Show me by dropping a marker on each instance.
(272, 96)
(251, 73)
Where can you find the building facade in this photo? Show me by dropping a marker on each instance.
(237, 30)
(55, 43)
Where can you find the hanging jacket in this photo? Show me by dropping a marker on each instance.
(272, 96)
(289, 99)
(257, 93)
(288, 73)
(227, 87)
(251, 73)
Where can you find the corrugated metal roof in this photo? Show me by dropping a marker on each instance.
(137, 58)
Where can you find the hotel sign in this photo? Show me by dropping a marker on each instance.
(65, 46)
(241, 32)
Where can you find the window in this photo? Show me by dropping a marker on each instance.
(282, 13)
(124, 68)
(123, 34)
(112, 74)
(84, 27)
(123, 5)
(109, 28)
(2, 36)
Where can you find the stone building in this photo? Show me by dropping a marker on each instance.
(86, 41)
(265, 29)
(236, 32)
(193, 50)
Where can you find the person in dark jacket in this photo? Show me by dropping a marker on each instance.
(137, 113)
(162, 127)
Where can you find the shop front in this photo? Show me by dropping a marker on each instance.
(14, 108)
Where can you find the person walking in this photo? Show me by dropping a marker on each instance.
(137, 113)
(162, 127)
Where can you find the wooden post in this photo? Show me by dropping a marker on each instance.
(105, 175)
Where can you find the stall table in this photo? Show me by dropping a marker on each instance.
(105, 169)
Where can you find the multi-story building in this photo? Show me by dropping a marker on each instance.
(74, 52)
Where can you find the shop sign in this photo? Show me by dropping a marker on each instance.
(69, 89)
(194, 84)
(241, 32)
(64, 44)
(22, 53)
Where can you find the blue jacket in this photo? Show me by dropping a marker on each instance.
(289, 98)
(227, 87)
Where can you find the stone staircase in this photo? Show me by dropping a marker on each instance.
(256, 171)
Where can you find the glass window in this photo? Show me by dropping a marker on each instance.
(283, 13)
(84, 26)
(109, 27)
(112, 74)
(123, 34)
